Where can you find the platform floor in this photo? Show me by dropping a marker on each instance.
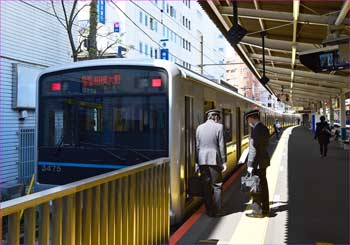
(309, 199)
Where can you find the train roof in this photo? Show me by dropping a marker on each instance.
(169, 66)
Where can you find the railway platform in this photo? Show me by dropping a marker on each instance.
(309, 200)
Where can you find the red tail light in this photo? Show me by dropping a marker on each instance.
(56, 86)
(156, 83)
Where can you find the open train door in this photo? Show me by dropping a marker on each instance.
(238, 132)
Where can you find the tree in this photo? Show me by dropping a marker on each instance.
(88, 35)
(67, 22)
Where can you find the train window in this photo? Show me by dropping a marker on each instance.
(227, 121)
(245, 127)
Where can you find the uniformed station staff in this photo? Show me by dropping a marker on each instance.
(258, 161)
(211, 160)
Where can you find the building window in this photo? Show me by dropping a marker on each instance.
(163, 31)
(172, 11)
(167, 8)
(146, 20)
(189, 24)
(167, 32)
(141, 17)
(151, 52)
(140, 47)
(184, 43)
(146, 49)
(221, 50)
(151, 23)
(186, 23)
(183, 20)
(189, 46)
(156, 26)
(156, 53)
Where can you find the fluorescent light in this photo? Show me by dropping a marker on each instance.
(294, 53)
(296, 4)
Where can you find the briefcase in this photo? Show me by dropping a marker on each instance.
(250, 183)
(195, 186)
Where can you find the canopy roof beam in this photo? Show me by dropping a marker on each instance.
(310, 19)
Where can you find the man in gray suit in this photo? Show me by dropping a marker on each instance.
(211, 160)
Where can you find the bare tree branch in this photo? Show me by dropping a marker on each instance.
(72, 12)
(109, 45)
(56, 15)
(76, 14)
(65, 14)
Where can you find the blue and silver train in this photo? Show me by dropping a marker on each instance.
(102, 115)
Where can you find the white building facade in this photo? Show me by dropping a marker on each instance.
(31, 39)
(180, 24)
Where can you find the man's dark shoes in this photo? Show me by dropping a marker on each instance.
(220, 213)
(210, 214)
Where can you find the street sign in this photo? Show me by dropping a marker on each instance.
(116, 27)
(102, 11)
(164, 54)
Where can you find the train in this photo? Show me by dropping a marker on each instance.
(101, 115)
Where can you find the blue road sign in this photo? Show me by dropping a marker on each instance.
(116, 27)
(102, 11)
(164, 54)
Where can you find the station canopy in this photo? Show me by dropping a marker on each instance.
(293, 28)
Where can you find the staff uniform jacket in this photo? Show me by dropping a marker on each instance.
(323, 132)
(210, 144)
(259, 141)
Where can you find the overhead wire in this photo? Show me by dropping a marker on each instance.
(183, 27)
(160, 21)
(51, 14)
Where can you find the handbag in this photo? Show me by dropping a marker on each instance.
(195, 186)
(250, 183)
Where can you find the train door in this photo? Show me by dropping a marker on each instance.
(189, 140)
(238, 131)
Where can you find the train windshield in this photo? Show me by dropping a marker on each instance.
(115, 116)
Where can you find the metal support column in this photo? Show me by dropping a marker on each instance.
(324, 109)
(331, 112)
(342, 117)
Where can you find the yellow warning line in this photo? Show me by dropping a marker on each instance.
(253, 230)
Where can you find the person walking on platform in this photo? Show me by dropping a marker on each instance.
(277, 127)
(211, 160)
(258, 161)
(323, 133)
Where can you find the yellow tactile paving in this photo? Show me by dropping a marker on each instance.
(251, 230)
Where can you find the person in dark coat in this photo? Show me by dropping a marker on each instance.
(258, 161)
(323, 133)
(211, 160)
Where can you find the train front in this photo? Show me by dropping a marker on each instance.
(98, 119)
